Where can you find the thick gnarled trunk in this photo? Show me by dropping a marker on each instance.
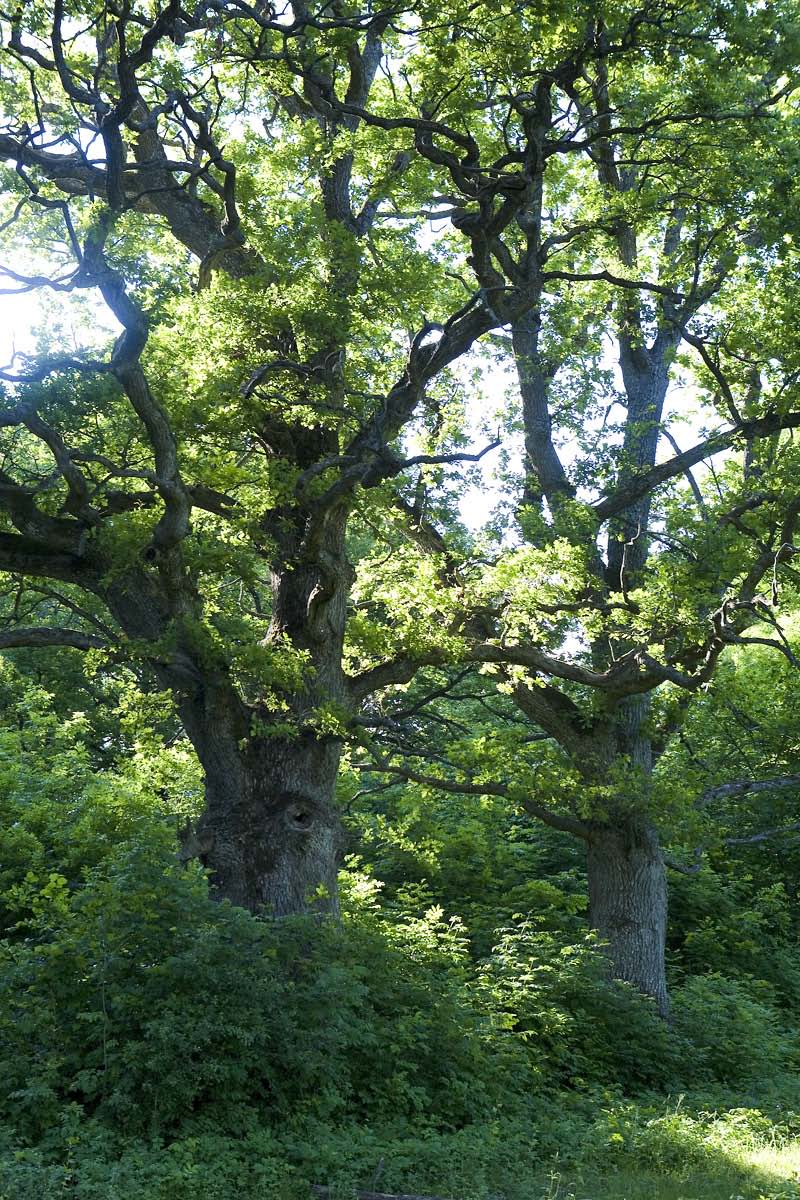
(270, 834)
(628, 903)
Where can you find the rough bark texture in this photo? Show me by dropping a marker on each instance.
(544, 472)
(626, 869)
(628, 903)
(645, 372)
(270, 832)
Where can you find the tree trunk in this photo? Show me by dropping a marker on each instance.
(628, 903)
(270, 833)
(275, 842)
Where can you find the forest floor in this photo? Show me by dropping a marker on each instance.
(758, 1173)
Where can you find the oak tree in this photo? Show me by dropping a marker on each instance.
(305, 221)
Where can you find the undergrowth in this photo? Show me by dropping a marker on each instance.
(156, 1045)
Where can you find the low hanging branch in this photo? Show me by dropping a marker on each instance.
(560, 821)
(738, 788)
(751, 839)
(763, 836)
(744, 787)
(35, 636)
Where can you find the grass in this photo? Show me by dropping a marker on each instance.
(758, 1172)
(632, 1185)
(692, 1148)
(695, 1147)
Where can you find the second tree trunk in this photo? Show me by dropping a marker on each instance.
(628, 903)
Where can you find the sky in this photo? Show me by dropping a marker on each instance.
(17, 316)
(28, 315)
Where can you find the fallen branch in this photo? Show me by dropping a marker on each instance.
(325, 1192)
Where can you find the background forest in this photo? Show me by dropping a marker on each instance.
(399, 624)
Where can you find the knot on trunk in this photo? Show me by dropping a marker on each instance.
(299, 813)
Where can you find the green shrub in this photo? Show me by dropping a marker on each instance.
(735, 1038)
(738, 926)
(143, 1000)
(92, 1163)
(579, 1026)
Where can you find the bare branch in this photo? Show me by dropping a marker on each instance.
(640, 485)
(621, 677)
(43, 636)
(325, 1192)
(690, 479)
(456, 457)
(763, 836)
(401, 670)
(558, 821)
(675, 864)
(24, 555)
(633, 285)
(745, 787)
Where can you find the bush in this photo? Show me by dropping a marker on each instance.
(94, 1164)
(580, 1026)
(730, 923)
(146, 1002)
(734, 1037)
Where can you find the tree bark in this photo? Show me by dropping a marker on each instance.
(646, 376)
(270, 833)
(627, 874)
(628, 903)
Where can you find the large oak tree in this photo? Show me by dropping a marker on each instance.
(247, 190)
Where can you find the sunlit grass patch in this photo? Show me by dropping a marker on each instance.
(642, 1185)
(736, 1155)
(780, 1160)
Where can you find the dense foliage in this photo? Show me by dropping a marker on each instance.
(455, 1034)
(398, 752)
